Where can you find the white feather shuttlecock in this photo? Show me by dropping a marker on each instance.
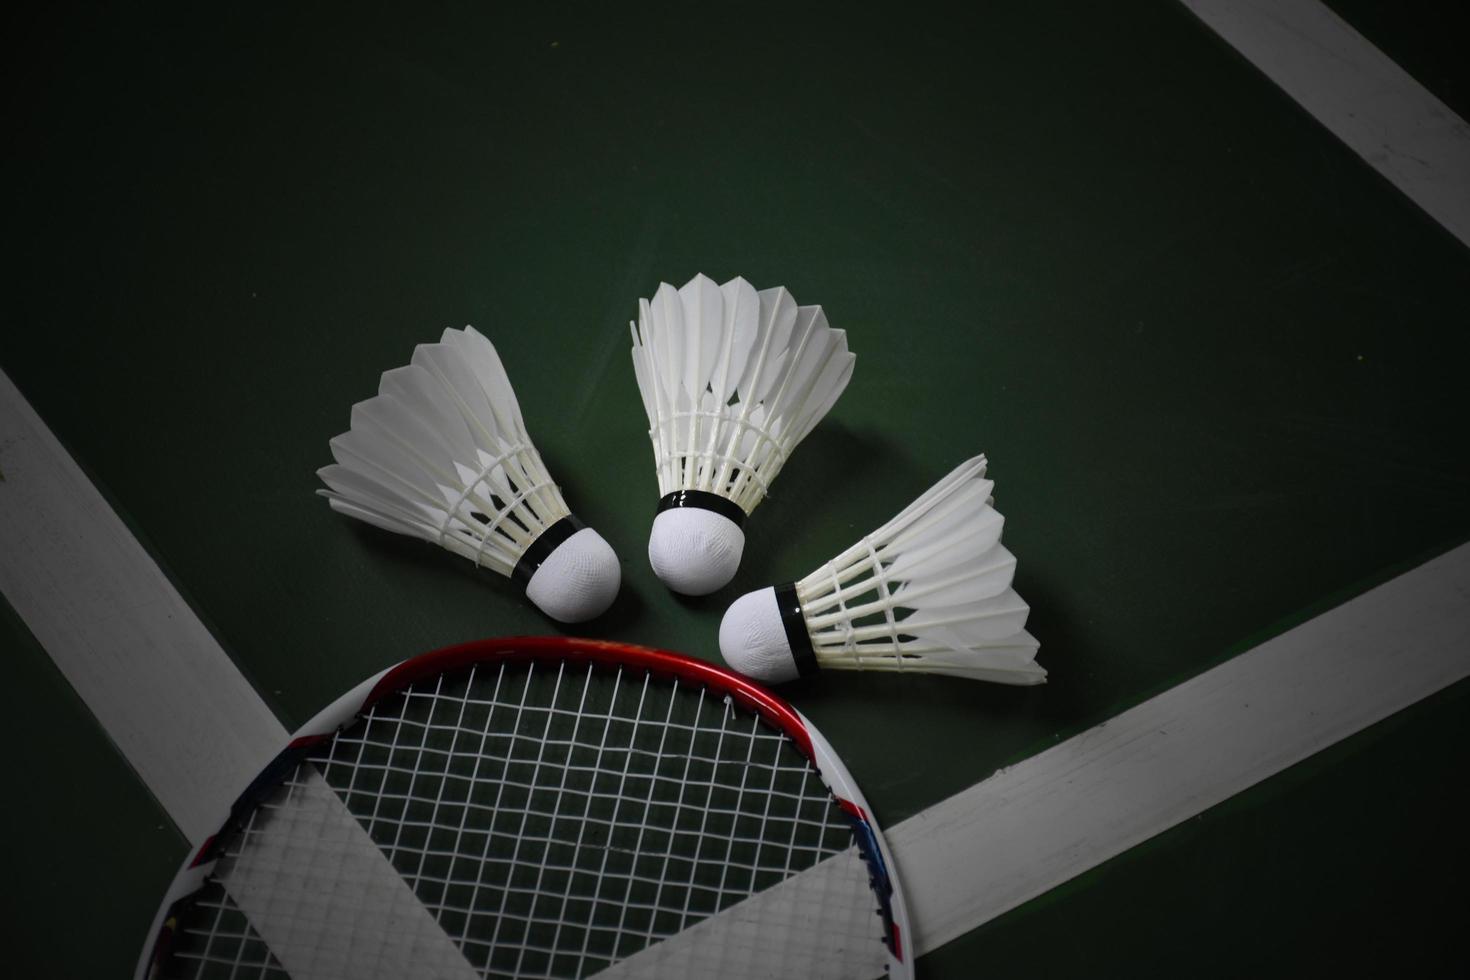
(732, 379)
(441, 453)
(930, 591)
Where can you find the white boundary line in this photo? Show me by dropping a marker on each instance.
(1046, 820)
(178, 708)
(1362, 97)
(160, 685)
(141, 659)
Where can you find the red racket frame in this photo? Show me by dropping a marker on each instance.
(607, 653)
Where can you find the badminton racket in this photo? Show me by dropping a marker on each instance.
(542, 807)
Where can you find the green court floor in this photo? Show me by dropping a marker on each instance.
(1217, 363)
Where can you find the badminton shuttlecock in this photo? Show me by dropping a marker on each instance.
(732, 379)
(442, 454)
(929, 591)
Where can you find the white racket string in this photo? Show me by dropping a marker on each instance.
(554, 818)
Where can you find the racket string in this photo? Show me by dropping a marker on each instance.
(555, 821)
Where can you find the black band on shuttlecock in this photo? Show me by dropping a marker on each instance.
(704, 500)
(542, 547)
(794, 623)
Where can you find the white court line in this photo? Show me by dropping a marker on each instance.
(1046, 820)
(102, 608)
(1362, 97)
(171, 699)
(1031, 827)
(148, 669)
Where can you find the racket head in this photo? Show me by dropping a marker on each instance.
(542, 806)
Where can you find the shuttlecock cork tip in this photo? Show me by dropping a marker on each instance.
(695, 551)
(753, 638)
(578, 580)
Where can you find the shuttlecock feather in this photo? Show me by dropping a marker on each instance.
(930, 591)
(441, 453)
(732, 380)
